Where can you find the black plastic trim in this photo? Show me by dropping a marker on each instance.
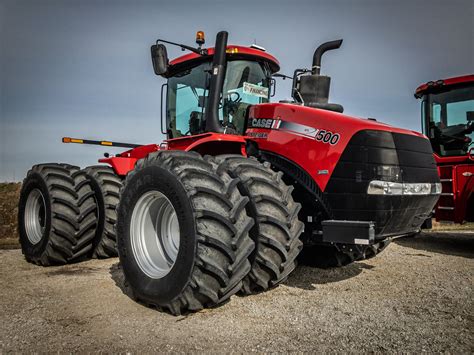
(297, 173)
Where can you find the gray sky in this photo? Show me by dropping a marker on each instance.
(82, 68)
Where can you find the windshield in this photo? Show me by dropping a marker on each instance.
(246, 83)
(448, 120)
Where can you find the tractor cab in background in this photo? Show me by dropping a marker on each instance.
(448, 121)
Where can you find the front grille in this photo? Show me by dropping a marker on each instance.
(380, 155)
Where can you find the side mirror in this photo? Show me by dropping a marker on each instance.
(273, 86)
(470, 116)
(159, 58)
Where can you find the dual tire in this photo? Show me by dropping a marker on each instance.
(193, 231)
(67, 215)
(106, 186)
(57, 215)
(277, 227)
(183, 232)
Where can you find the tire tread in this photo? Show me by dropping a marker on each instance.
(108, 184)
(275, 255)
(221, 262)
(72, 214)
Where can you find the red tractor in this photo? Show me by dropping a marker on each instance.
(448, 120)
(227, 201)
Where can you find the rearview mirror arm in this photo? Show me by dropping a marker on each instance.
(183, 47)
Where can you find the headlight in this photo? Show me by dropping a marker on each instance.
(417, 189)
(377, 187)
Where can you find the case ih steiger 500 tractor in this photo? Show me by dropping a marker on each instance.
(227, 201)
(448, 121)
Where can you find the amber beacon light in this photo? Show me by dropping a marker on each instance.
(200, 38)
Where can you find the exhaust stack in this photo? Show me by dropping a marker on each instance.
(318, 53)
(219, 65)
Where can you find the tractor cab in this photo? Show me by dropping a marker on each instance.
(448, 115)
(247, 82)
(244, 76)
(210, 90)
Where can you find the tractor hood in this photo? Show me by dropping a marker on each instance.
(313, 117)
(339, 159)
(315, 139)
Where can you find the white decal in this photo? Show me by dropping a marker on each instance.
(320, 135)
(255, 90)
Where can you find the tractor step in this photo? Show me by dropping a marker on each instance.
(349, 232)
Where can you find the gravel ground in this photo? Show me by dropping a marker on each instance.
(416, 296)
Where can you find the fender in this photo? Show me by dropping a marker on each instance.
(209, 144)
(298, 174)
(125, 162)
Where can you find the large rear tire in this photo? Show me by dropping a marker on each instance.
(182, 232)
(277, 228)
(56, 215)
(106, 186)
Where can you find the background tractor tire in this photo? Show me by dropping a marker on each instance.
(329, 256)
(56, 215)
(106, 186)
(277, 228)
(201, 265)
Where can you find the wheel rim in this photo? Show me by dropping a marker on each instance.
(154, 234)
(35, 216)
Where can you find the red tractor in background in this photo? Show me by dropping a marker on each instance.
(448, 121)
(227, 201)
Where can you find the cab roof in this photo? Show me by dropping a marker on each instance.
(233, 52)
(437, 85)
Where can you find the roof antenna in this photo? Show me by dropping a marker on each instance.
(256, 46)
